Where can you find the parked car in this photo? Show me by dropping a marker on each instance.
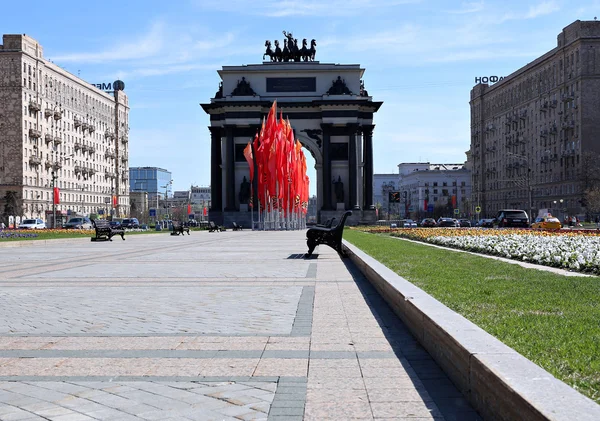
(512, 218)
(409, 223)
(32, 224)
(115, 224)
(447, 222)
(486, 223)
(548, 222)
(464, 223)
(78, 222)
(428, 222)
(130, 223)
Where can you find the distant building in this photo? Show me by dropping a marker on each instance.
(139, 205)
(57, 130)
(531, 131)
(383, 184)
(152, 180)
(424, 186)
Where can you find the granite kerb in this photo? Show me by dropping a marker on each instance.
(500, 383)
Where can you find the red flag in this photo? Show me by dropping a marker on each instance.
(189, 209)
(56, 196)
(425, 205)
(454, 201)
(114, 201)
(205, 211)
(250, 158)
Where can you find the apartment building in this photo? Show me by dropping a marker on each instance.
(57, 130)
(532, 131)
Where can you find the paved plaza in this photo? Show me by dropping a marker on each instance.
(211, 326)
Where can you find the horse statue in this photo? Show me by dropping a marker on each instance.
(304, 51)
(312, 50)
(285, 54)
(269, 52)
(278, 55)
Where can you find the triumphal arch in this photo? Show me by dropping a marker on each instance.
(332, 116)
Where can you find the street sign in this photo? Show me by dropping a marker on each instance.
(191, 216)
(430, 208)
(456, 211)
(152, 212)
(478, 209)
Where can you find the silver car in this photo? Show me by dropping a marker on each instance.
(79, 222)
(32, 224)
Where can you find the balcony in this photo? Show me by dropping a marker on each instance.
(84, 148)
(34, 106)
(57, 115)
(109, 135)
(553, 129)
(490, 128)
(568, 97)
(84, 127)
(109, 174)
(124, 140)
(91, 171)
(124, 157)
(543, 133)
(91, 128)
(567, 125)
(109, 154)
(35, 160)
(35, 134)
(47, 164)
(78, 169)
(77, 146)
(48, 138)
(76, 122)
(91, 150)
(553, 103)
(125, 175)
(48, 113)
(545, 159)
(523, 115)
(57, 140)
(57, 166)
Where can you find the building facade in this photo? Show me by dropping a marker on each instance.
(200, 197)
(530, 132)
(157, 182)
(428, 190)
(57, 130)
(383, 184)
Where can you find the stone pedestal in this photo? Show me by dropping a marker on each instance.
(340, 206)
(243, 207)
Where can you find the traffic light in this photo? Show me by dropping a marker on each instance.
(394, 197)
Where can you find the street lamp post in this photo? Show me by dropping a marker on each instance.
(54, 177)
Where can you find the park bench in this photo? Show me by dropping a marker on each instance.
(179, 228)
(212, 227)
(327, 223)
(105, 232)
(331, 237)
(236, 226)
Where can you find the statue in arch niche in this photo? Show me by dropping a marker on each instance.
(244, 193)
(338, 188)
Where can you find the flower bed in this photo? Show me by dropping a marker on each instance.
(572, 250)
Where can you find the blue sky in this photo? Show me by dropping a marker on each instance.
(420, 56)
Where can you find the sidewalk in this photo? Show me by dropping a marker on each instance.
(211, 326)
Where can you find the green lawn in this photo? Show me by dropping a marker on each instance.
(552, 320)
(57, 234)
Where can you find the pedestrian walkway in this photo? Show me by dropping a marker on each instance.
(211, 326)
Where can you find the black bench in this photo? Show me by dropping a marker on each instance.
(212, 227)
(327, 223)
(236, 226)
(105, 232)
(331, 237)
(179, 228)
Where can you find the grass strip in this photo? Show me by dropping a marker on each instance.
(551, 319)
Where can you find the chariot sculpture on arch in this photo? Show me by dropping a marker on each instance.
(290, 51)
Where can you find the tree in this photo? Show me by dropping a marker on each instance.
(13, 205)
(592, 197)
(590, 170)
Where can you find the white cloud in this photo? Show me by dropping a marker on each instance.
(147, 45)
(541, 9)
(468, 7)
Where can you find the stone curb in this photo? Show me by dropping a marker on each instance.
(499, 382)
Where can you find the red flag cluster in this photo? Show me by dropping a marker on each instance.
(56, 198)
(281, 166)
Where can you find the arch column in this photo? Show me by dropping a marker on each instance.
(352, 167)
(230, 169)
(216, 178)
(368, 166)
(326, 167)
